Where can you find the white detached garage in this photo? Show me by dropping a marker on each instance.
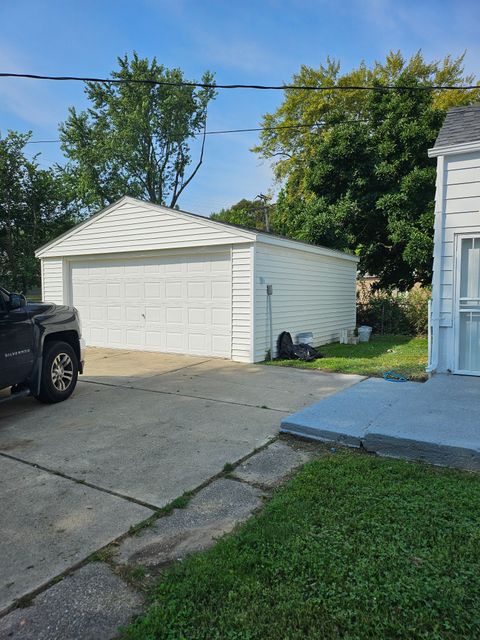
(146, 277)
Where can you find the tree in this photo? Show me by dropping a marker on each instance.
(135, 138)
(33, 210)
(302, 115)
(361, 180)
(246, 213)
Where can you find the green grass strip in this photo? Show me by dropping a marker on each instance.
(403, 354)
(354, 547)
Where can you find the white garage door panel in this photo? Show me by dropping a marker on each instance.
(179, 304)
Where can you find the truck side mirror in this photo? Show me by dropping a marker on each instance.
(16, 301)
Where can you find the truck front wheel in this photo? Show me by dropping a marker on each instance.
(59, 372)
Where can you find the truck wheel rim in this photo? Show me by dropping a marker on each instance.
(62, 372)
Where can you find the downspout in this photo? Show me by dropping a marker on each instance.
(429, 330)
(253, 290)
(439, 232)
(270, 317)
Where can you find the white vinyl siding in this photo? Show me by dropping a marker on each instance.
(52, 280)
(135, 226)
(460, 210)
(242, 267)
(310, 293)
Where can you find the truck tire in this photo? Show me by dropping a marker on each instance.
(59, 372)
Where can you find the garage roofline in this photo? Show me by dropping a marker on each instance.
(249, 234)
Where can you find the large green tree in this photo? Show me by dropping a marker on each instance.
(135, 138)
(33, 210)
(361, 179)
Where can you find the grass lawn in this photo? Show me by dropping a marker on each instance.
(403, 354)
(354, 547)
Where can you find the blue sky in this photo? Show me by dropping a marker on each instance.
(247, 42)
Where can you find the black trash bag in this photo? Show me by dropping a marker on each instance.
(306, 352)
(285, 346)
(286, 350)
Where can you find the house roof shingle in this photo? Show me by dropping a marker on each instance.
(462, 124)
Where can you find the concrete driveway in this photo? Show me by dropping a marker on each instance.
(140, 430)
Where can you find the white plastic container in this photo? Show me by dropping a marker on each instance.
(364, 333)
(305, 338)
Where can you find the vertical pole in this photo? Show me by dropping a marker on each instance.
(267, 221)
(263, 199)
(429, 331)
(270, 317)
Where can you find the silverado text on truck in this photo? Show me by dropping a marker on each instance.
(40, 348)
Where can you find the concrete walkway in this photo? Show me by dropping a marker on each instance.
(436, 422)
(93, 601)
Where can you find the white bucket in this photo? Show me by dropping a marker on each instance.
(364, 333)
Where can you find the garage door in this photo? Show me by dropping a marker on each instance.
(176, 303)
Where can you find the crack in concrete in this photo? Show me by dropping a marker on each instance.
(55, 472)
(185, 395)
(27, 598)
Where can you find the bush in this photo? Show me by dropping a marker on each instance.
(396, 313)
(416, 310)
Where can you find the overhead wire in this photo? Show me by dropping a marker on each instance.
(248, 130)
(206, 85)
(203, 85)
(258, 87)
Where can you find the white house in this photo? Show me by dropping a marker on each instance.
(151, 278)
(455, 316)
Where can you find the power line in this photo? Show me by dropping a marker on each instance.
(259, 87)
(224, 131)
(41, 141)
(285, 126)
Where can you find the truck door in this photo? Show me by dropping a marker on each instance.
(16, 343)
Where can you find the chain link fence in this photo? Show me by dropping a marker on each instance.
(400, 313)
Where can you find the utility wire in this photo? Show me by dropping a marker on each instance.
(41, 141)
(260, 87)
(285, 126)
(221, 132)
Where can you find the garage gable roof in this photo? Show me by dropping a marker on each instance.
(134, 225)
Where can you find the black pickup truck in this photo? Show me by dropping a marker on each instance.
(41, 349)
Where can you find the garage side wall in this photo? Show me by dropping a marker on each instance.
(311, 292)
(242, 299)
(53, 280)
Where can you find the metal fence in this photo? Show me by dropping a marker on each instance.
(388, 316)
